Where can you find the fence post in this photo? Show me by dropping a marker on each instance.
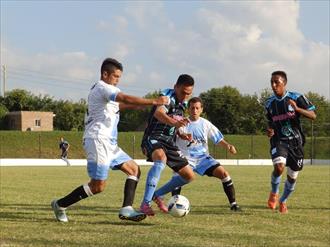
(312, 142)
(39, 145)
(252, 148)
(133, 146)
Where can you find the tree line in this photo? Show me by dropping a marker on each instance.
(231, 111)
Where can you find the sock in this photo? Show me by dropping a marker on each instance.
(129, 190)
(229, 189)
(152, 180)
(288, 189)
(275, 182)
(176, 191)
(76, 195)
(176, 181)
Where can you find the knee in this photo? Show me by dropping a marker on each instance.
(96, 187)
(278, 170)
(159, 154)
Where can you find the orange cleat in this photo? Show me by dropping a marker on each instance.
(272, 200)
(283, 208)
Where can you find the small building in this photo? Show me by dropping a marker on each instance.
(30, 121)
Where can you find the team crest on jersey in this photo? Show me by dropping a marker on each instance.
(290, 108)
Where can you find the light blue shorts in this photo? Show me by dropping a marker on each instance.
(201, 165)
(102, 156)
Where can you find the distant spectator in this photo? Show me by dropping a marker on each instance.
(64, 146)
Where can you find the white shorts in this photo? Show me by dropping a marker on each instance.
(102, 156)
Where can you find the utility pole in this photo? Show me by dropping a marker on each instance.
(3, 80)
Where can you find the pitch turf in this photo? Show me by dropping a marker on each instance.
(27, 218)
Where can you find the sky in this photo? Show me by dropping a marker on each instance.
(56, 48)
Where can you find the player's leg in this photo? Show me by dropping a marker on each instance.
(159, 158)
(218, 171)
(279, 155)
(184, 174)
(97, 167)
(294, 165)
(127, 212)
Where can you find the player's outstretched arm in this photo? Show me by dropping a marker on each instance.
(130, 99)
(228, 146)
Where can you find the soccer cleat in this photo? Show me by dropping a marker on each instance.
(128, 213)
(235, 208)
(160, 203)
(272, 200)
(59, 212)
(146, 209)
(283, 208)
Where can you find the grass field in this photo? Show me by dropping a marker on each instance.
(27, 219)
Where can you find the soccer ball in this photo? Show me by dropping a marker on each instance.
(178, 206)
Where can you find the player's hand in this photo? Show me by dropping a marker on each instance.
(293, 104)
(232, 149)
(270, 132)
(186, 136)
(180, 123)
(162, 100)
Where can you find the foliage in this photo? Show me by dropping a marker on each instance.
(226, 107)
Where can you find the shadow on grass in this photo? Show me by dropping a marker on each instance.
(41, 212)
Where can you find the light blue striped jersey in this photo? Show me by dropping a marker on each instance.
(201, 131)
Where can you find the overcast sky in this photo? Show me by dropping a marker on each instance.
(57, 47)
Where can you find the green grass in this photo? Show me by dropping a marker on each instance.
(17, 144)
(27, 219)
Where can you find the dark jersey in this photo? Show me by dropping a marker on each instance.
(283, 119)
(175, 110)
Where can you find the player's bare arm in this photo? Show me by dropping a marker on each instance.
(130, 99)
(306, 113)
(231, 148)
(161, 116)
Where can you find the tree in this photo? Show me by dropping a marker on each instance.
(222, 107)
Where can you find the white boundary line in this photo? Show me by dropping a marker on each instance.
(83, 162)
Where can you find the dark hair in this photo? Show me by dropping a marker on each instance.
(280, 73)
(185, 80)
(110, 65)
(195, 100)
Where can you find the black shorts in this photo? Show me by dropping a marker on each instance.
(175, 159)
(294, 154)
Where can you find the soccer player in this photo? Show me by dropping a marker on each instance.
(64, 146)
(158, 140)
(100, 143)
(193, 142)
(284, 109)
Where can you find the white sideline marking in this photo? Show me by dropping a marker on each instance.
(141, 162)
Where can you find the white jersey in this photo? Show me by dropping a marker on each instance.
(103, 112)
(201, 131)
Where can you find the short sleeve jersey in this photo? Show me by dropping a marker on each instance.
(174, 109)
(103, 112)
(201, 131)
(284, 119)
(64, 145)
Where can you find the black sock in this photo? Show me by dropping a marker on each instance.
(75, 196)
(176, 191)
(129, 191)
(229, 189)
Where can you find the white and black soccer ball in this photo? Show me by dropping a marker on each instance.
(178, 206)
